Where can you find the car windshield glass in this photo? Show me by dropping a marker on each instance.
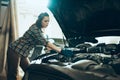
(109, 39)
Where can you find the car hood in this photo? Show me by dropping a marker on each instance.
(87, 19)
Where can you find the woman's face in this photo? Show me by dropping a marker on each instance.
(45, 22)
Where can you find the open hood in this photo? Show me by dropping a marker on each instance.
(87, 19)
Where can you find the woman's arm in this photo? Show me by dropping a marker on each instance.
(66, 52)
(54, 47)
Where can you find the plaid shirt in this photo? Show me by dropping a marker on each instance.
(28, 41)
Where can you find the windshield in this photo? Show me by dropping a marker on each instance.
(109, 39)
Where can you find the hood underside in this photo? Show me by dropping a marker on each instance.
(87, 17)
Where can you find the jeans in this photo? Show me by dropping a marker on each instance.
(15, 60)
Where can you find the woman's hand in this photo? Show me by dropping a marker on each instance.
(67, 52)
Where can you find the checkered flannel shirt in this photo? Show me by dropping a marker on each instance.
(28, 41)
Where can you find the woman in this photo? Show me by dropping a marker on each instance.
(19, 50)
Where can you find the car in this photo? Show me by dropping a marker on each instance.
(85, 24)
